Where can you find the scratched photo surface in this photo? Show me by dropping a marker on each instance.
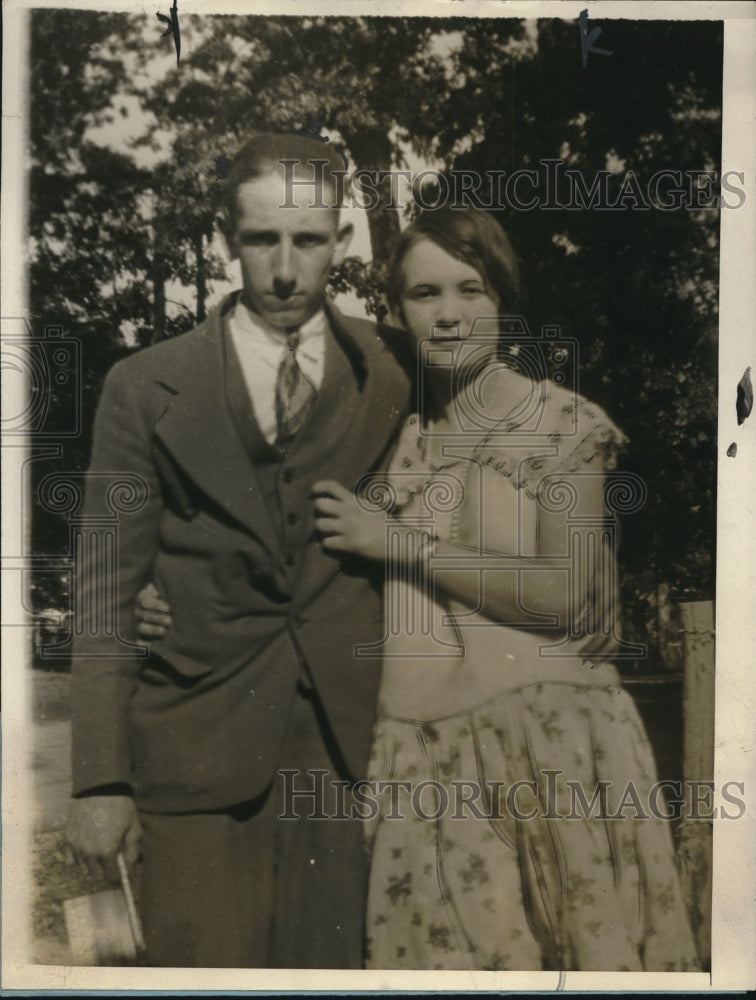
(351, 618)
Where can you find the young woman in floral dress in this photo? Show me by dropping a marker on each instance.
(518, 826)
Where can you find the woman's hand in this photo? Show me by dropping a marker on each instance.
(152, 614)
(345, 526)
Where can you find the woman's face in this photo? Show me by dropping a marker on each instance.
(443, 297)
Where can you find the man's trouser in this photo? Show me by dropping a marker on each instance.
(242, 888)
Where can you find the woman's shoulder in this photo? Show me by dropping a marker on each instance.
(582, 434)
(511, 403)
(557, 430)
(572, 417)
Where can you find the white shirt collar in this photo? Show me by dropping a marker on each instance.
(260, 348)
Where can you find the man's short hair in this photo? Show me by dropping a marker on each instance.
(264, 154)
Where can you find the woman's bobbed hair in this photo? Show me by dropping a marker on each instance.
(469, 235)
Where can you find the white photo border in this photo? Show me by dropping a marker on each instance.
(733, 922)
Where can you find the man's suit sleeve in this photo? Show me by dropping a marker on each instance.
(108, 578)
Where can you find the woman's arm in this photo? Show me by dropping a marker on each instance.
(544, 582)
(479, 568)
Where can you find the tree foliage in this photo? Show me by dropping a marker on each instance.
(636, 290)
(88, 250)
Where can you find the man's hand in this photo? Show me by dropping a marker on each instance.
(152, 614)
(99, 827)
(345, 526)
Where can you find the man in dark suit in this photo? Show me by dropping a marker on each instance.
(189, 758)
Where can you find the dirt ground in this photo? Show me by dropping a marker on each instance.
(53, 879)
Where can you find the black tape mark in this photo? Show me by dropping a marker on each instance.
(173, 28)
(587, 40)
(744, 400)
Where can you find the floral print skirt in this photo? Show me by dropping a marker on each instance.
(524, 834)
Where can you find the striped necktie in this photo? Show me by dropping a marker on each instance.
(295, 394)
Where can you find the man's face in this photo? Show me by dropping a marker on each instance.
(285, 253)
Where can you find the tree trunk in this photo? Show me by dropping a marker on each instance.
(158, 298)
(199, 253)
(372, 151)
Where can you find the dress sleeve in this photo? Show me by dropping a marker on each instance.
(596, 440)
(573, 435)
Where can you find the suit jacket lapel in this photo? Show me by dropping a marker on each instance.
(367, 412)
(199, 431)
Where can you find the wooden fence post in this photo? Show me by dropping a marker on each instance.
(695, 843)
